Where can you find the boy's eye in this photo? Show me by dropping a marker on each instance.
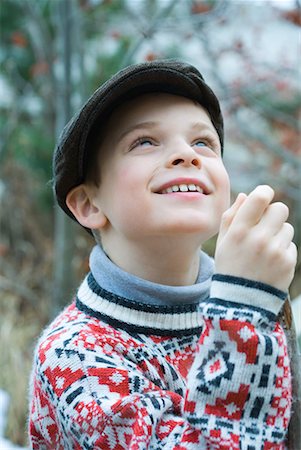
(207, 144)
(142, 142)
(145, 142)
(201, 143)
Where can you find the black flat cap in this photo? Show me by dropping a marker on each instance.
(168, 76)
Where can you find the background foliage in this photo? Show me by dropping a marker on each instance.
(53, 54)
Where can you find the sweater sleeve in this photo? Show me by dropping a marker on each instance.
(240, 383)
(237, 393)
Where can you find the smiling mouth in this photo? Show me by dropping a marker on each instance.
(182, 188)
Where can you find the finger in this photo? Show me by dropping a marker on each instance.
(254, 206)
(291, 258)
(229, 215)
(285, 236)
(231, 212)
(273, 218)
(293, 253)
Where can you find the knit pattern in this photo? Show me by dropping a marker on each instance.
(114, 374)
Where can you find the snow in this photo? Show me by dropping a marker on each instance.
(4, 443)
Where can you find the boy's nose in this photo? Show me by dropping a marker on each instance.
(185, 156)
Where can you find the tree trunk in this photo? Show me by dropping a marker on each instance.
(64, 232)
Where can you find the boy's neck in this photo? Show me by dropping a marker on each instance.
(172, 264)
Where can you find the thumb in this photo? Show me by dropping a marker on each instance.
(229, 215)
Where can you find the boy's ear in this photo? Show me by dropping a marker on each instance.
(80, 201)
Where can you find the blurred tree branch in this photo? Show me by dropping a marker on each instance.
(147, 31)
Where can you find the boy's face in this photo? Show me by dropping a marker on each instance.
(161, 171)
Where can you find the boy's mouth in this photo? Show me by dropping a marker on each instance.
(183, 185)
(182, 188)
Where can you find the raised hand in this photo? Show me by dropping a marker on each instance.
(255, 240)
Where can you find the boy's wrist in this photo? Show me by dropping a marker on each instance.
(243, 291)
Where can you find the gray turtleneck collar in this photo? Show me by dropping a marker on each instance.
(115, 280)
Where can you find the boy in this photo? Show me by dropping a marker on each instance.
(160, 350)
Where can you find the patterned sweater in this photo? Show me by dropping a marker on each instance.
(111, 373)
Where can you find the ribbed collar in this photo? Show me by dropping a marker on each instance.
(134, 316)
(113, 279)
(148, 308)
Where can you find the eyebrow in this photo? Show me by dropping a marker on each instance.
(138, 126)
(203, 126)
(152, 124)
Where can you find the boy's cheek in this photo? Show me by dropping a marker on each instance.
(225, 196)
(125, 176)
(129, 180)
(227, 202)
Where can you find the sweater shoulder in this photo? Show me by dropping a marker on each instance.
(74, 333)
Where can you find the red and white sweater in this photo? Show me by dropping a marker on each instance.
(114, 374)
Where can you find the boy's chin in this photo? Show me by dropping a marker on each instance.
(197, 228)
(192, 234)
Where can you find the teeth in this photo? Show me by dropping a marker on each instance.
(183, 188)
